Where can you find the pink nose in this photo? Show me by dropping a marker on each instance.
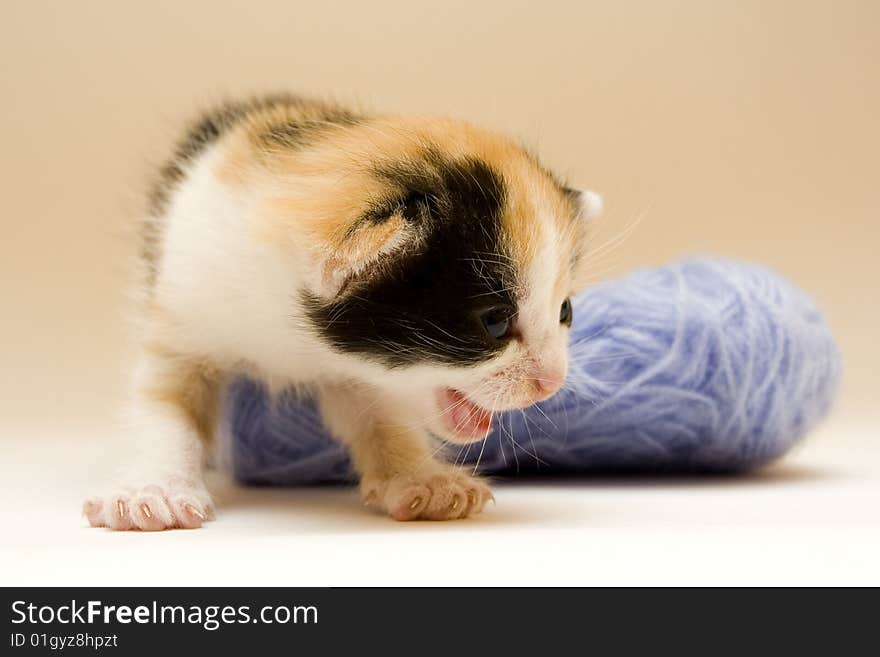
(548, 384)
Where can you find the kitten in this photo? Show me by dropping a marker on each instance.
(411, 273)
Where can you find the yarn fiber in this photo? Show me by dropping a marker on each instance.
(705, 364)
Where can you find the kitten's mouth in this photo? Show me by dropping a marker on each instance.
(462, 417)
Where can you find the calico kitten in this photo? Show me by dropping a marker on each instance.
(411, 273)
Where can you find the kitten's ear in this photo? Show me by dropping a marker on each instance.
(589, 202)
(361, 249)
(590, 206)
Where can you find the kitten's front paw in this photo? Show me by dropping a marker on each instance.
(151, 508)
(443, 495)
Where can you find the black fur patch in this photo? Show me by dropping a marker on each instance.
(427, 305)
(299, 133)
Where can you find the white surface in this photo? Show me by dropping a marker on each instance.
(812, 519)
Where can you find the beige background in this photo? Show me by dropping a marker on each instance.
(745, 128)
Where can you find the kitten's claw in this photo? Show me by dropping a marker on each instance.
(172, 505)
(443, 495)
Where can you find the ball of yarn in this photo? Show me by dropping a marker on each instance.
(702, 365)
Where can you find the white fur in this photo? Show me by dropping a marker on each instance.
(592, 204)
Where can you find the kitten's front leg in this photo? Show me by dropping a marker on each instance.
(161, 486)
(400, 472)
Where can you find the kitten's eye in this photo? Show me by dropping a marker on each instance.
(497, 322)
(414, 205)
(566, 313)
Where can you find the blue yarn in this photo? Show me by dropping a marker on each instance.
(702, 365)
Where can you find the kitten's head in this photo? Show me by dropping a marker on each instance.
(445, 260)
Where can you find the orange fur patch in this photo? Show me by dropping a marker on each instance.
(316, 191)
